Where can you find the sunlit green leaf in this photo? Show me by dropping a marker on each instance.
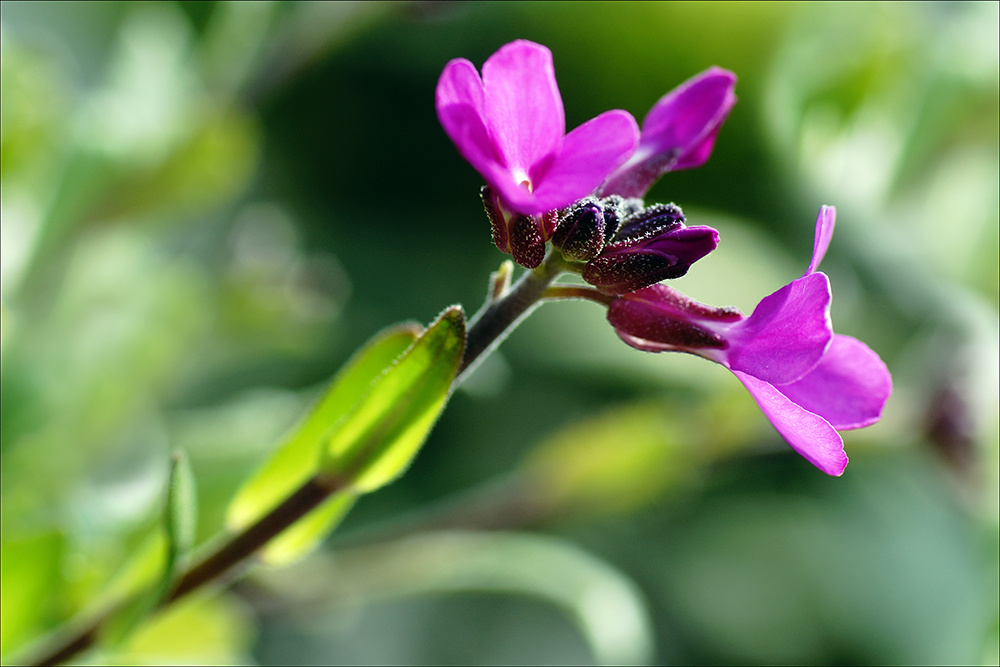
(306, 534)
(29, 574)
(141, 588)
(378, 439)
(623, 459)
(201, 630)
(140, 571)
(297, 458)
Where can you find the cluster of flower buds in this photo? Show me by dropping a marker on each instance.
(622, 244)
(523, 236)
(626, 245)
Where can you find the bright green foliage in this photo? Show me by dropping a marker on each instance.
(381, 407)
(29, 572)
(201, 630)
(308, 531)
(296, 460)
(377, 439)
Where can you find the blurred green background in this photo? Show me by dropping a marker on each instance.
(206, 207)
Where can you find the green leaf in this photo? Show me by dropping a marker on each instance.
(297, 459)
(179, 518)
(180, 515)
(30, 582)
(306, 534)
(199, 630)
(376, 441)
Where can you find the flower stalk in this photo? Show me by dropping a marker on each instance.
(498, 316)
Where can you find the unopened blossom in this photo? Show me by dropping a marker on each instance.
(510, 126)
(678, 132)
(651, 245)
(808, 381)
(625, 245)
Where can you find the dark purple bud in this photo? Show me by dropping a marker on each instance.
(651, 221)
(580, 232)
(527, 240)
(523, 236)
(497, 221)
(633, 263)
(617, 209)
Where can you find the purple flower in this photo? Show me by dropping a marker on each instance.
(678, 132)
(809, 382)
(510, 126)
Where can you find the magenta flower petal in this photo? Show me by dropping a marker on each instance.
(808, 434)
(465, 127)
(686, 115)
(824, 232)
(698, 154)
(522, 104)
(848, 388)
(678, 133)
(787, 333)
(459, 84)
(589, 153)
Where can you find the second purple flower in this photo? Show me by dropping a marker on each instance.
(808, 381)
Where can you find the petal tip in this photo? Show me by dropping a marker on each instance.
(836, 467)
(825, 222)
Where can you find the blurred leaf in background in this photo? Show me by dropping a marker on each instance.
(206, 207)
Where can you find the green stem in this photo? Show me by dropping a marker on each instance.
(503, 310)
(498, 317)
(577, 292)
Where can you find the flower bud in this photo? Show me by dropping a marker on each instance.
(585, 227)
(651, 221)
(523, 236)
(580, 232)
(616, 209)
(662, 248)
(527, 240)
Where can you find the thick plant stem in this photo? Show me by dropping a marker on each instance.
(498, 317)
(503, 310)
